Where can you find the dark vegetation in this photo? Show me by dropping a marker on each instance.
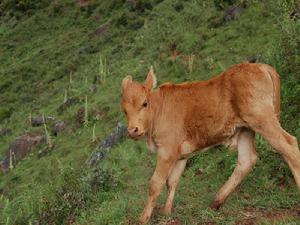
(61, 65)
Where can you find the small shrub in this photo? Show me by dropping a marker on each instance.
(20, 7)
(285, 57)
(5, 113)
(130, 20)
(101, 179)
(222, 4)
(178, 6)
(72, 196)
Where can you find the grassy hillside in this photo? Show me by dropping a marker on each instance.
(52, 50)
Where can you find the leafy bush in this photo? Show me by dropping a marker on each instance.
(5, 113)
(15, 7)
(222, 4)
(101, 179)
(285, 56)
(71, 197)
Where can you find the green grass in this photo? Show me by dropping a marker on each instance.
(38, 52)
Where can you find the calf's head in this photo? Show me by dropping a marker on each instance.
(136, 105)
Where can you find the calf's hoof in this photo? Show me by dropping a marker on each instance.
(215, 205)
(144, 219)
(165, 210)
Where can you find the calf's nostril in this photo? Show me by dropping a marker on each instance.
(133, 130)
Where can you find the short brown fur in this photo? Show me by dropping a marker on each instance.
(180, 119)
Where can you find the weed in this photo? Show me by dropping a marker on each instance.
(102, 69)
(47, 134)
(86, 115)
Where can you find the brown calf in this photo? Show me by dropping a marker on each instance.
(180, 119)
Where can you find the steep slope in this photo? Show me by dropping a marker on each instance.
(83, 49)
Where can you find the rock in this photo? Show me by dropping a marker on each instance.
(80, 116)
(178, 6)
(39, 120)
(93, 88)
(58, 127)
(173, 222)
(5, 132)
(89, 48)
(114, 137)
(110, 141)
(100, 31)
(232, 13)
(100, 112)
(97, 156)
(252, 60)
(21, 147)
(68, 103)
(295, 15)
(43, 152)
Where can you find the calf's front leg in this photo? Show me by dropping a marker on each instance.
(163, 167)
(172, 183)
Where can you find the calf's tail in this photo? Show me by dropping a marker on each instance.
(276, 88)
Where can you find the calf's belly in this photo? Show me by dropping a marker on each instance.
(202, 142)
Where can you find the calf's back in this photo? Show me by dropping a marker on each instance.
(207, 113)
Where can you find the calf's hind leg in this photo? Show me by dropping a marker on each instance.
(246, 160)
(280, 140)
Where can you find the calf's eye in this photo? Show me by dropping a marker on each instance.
(145, 104)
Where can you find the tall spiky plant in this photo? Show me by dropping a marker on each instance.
(94, 134)
(11, 164)
(65, 96)
(86, 81)
(102, 69)
(221, 66)
(71, 79)
(86, 116)
(7, 221)
(30, 118)
(190, 63)
(47, 134)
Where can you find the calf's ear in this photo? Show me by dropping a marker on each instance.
(126, 81)
(150, 81)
